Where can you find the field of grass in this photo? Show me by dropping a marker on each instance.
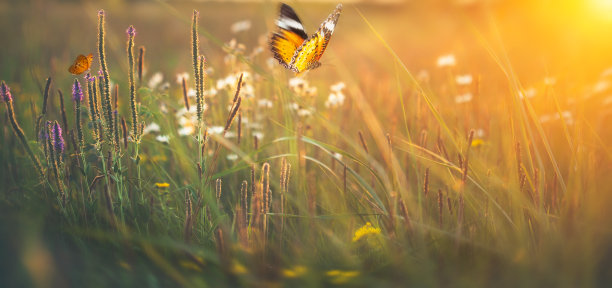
(440, 144)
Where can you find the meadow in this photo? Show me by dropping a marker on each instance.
(440, 144)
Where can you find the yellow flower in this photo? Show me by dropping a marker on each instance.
(297, 271)
(365, 231)
(478, 142)
(162, 185)
(341, 277)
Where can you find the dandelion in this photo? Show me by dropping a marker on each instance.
(463, 98)
(162, 185)
(464, 79)
(364, 231)
(446, 60)
(240, 26)
(155, 80)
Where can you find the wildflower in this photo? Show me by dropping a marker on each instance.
(153, 127)
(185, 131)
(77, 92)
(463, 98)
(335, 99)
(365, 230)
(216, 129)
(181, 76)
(57, 138)
(341, 277)
(477, 143)
(131, 32)
(265, 103)
(5, 93)
(446, 60)
(162, 185)
(240, 26)
(258, 135)
(338, 87)
(232, 157)
(296, 272)
(192, 93)
(163, 138)
(304, 112)
(155, 80)
(464, 79)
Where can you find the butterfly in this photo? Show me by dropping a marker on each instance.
(292, 47)
(81, 64)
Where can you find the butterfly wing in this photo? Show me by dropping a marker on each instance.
(81, 64)
(308, 54)
(288, 37)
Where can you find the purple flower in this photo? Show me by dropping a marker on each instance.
(5, 93)
(101, 12)
(77, 93)
(43, 136)
(131, 31)
(56, 137)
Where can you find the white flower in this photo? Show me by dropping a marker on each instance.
(464, 79)
(241, 26)
(232, 157)
(192, 93)
(337, 87)
(304, 112)
(187, 130)
(463, 98)
(293, 106)
(446, 60)
(258, 135)
(297, 83)
(335, 99)
(216, 129)
(155, 80)
(210, 92)
(153, 127)
(230, 134)
(181, 76)
(265, 103)
(163, 138)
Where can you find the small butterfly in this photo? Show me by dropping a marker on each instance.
(81, 64)
(292, 47)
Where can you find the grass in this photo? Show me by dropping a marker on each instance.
(464, 175)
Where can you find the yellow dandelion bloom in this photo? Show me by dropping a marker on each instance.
(366, 230)
(297, 271)
(162, 185)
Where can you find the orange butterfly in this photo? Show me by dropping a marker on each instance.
(81, 64)
(292, 47)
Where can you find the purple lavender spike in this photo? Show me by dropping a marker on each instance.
(77, 92)
(58, 139)
(5, 93)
